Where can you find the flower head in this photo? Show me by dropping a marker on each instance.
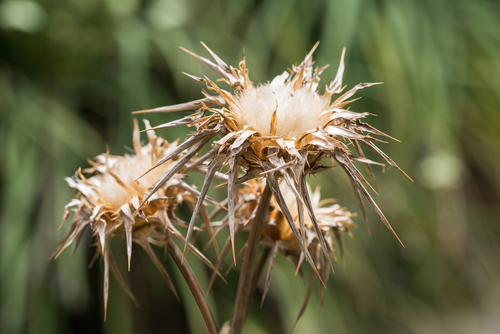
(278, 237)
(277, 234)
(107, 198)
(330, 216)
(283, 130)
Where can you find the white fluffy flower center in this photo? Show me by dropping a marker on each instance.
(297, 111)
(127, 168)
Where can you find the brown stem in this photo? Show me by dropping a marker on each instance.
(255, 278)
(194, 286)
(243, 293)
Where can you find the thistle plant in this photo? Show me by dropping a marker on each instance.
(105, 202)
(269, 137)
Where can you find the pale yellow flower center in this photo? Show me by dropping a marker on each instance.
(297, 111)
(127, 168)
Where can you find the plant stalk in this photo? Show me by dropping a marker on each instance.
(246, 274)
(194, 286)
(255, 278)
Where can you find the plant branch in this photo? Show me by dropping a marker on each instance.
(194, 286)
(255, 278)
(243, 292)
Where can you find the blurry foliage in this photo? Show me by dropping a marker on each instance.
(72, 71)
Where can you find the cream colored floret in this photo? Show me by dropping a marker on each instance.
(127, 168)
(297, 110)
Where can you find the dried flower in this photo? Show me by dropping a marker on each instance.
(331, 218)
(105, 203)
(283, 130)
(278, 236)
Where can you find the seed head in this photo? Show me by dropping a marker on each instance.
(278, 236)
(106, 200)
(331, 218)
(282, 130)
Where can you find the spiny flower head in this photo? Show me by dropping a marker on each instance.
(107, 198)
(282, 130)
(331, 218)
(278, 237)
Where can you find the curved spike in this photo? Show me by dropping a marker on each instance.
(213, 101)
(174, 170)
(359, 186)
(302, 225)
(384, 156)
(228, 76)
(219, 61)
(309, 55)
(368, 128)
(116, 272)
(353, 91)
(196, 138)
(342, 157)
(300, 196)
(361, 206)
(142, 241)
(195, 250)
(335, 87)
(136, 137)
(75, 230)
(366, 162)
(298, 270)
(232, 193)
(273, 183)
(274, 251)
(214, 164)
(128, 221)
(340, 242)
(306, 299)
(310, 210)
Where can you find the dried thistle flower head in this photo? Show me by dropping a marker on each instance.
(279, 238)
(283, 130)
(106, 200)
(331, 218)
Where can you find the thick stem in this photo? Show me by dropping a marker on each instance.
(246, 274)
(194, 286)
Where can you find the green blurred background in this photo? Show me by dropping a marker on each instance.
(72, 71)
